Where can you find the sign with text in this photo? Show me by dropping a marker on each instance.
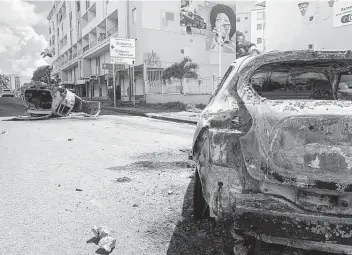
(117, 66)
(128, 61)
(342, 13)
(123, 50)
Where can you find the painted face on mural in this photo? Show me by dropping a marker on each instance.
(223, 21)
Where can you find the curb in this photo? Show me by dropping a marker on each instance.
(136, 113)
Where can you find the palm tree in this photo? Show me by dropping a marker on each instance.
(186, 68)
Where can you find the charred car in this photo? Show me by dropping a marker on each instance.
(43, 101)
(273, 151)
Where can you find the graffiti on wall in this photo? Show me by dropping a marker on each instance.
(216, 21)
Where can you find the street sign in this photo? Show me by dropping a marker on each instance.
(123, 50)
(117, 66)
(128, 61)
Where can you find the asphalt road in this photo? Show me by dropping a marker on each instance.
(59, 177)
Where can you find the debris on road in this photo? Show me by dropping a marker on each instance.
(69, 139)
(100, 232)
(3, 132)
(122, 179)
(102, 235)
(170, 192)
(79, 190)
(107, 243)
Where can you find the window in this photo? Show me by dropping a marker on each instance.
(246, 18)
(291, 82)
(259, 26)
(70, 19)
(71, 37)
(62, 27)
(238, 19)
(259, 40)
(49, 30)
(134, 15)
(87, 4)
(260, 15)
(78, 5)
(169, 16)
(78, 30)
(246, 31)
(100, 92)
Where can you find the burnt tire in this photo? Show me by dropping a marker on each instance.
(200, 206)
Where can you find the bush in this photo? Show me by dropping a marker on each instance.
(200, 106)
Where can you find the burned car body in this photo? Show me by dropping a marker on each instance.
(44, 101)
(273, 150)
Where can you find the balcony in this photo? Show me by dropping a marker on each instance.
(74, 55)
(93, 43)
(85, 48)
(102, 37)
(112, 31)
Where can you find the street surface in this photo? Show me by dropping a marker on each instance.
(42, 163)
(59, 177)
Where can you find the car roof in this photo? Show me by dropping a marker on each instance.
(302, 55)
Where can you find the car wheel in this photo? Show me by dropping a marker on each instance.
(200, 206)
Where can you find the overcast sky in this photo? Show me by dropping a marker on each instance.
(24, 35)
(24, 32)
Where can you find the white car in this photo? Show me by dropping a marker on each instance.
(7, 93)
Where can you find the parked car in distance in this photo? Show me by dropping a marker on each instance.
(273, 151)
(7, 93)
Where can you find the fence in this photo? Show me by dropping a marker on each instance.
(202, 86)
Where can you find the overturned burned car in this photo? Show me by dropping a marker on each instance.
(43, 101)
(273, 151)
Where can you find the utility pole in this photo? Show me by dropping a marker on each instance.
(114, 83)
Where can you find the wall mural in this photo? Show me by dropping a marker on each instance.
(205, 18)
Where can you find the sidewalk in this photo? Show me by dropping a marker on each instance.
(181, 117)
(155, 112)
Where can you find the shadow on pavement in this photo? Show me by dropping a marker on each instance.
(199, 238)
(192, 237)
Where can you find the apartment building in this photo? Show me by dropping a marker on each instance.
(258, 25)
(165, 32)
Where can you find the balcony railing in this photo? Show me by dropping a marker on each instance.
(93, 43)
(102, 37)
(112, 31)
(86, 48)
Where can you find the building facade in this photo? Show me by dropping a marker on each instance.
(165, 33)
(308, 25)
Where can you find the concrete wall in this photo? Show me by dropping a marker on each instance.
(287, 29)
(187, 99)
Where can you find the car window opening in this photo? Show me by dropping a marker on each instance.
(39, 99)
(305, 82)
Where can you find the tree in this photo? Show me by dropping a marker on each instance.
(186, 68)
(47, 53)
(4, 80)
(43, 73)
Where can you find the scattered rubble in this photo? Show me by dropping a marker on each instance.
(3, 132)
(102, 235)
(69, 139)
(79, 190)
(122, 179)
